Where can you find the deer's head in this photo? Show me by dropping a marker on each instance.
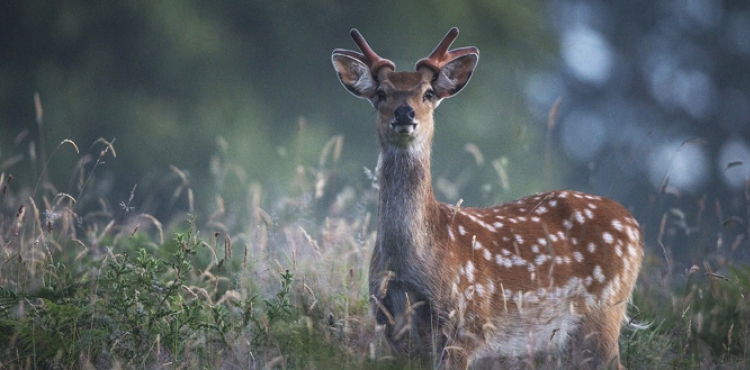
(405, 101)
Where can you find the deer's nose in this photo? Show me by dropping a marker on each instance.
(404, 114)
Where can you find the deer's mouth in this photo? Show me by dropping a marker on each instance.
(403, 127)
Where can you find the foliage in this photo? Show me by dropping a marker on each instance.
(137, 310)
(86, 291)
(288, 290)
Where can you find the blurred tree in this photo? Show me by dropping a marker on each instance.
(166, 79)
(657, 95)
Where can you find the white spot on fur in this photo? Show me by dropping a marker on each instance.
(579, 217)
(490, 287)
(461, 230)
(518, 261)
(540, 259)
(617, 225)
(588, 213)
(632, 233)
(481, 223)
(498, 224)
(598, 274)
(608, 238)
(611, 289)
(541, 210)
(591, 247)
(502, 261)
(487, 254)
(535, 248)
(578, 256)
(479, 288)
(519, 239)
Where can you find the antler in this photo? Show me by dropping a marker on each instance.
(441, 56)
(368, 56)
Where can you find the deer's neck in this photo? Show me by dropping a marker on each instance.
(407, 207)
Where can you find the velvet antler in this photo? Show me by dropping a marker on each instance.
(367, 56)
(441, 55)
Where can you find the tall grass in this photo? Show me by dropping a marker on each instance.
(277, 279)
(258, 282)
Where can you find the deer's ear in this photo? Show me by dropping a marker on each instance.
(455, 75)
(355, 76)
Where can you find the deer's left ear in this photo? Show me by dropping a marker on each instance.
(454, 75)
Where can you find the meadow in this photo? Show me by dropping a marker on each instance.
(276, 279)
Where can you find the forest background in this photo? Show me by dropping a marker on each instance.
(176, 107)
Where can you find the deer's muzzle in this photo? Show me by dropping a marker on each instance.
(403, 119)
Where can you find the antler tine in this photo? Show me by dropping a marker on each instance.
(445, 43)
(368, 56)
(440, 56)
(363, 45)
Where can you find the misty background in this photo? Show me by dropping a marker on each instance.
(654, 112)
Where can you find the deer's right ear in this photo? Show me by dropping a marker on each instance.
(355, 76)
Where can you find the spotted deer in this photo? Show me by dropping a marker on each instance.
(538, 279)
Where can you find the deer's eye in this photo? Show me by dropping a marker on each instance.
(380, 94)
(429, 95)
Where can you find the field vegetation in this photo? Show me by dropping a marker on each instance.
(275, 277)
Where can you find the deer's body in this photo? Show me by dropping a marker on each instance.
(547, 275)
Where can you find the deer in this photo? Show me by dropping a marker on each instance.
(547, 277)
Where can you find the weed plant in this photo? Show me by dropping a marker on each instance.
(276, 279)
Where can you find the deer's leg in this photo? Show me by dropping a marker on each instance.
(408, 320)
(596, 343)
